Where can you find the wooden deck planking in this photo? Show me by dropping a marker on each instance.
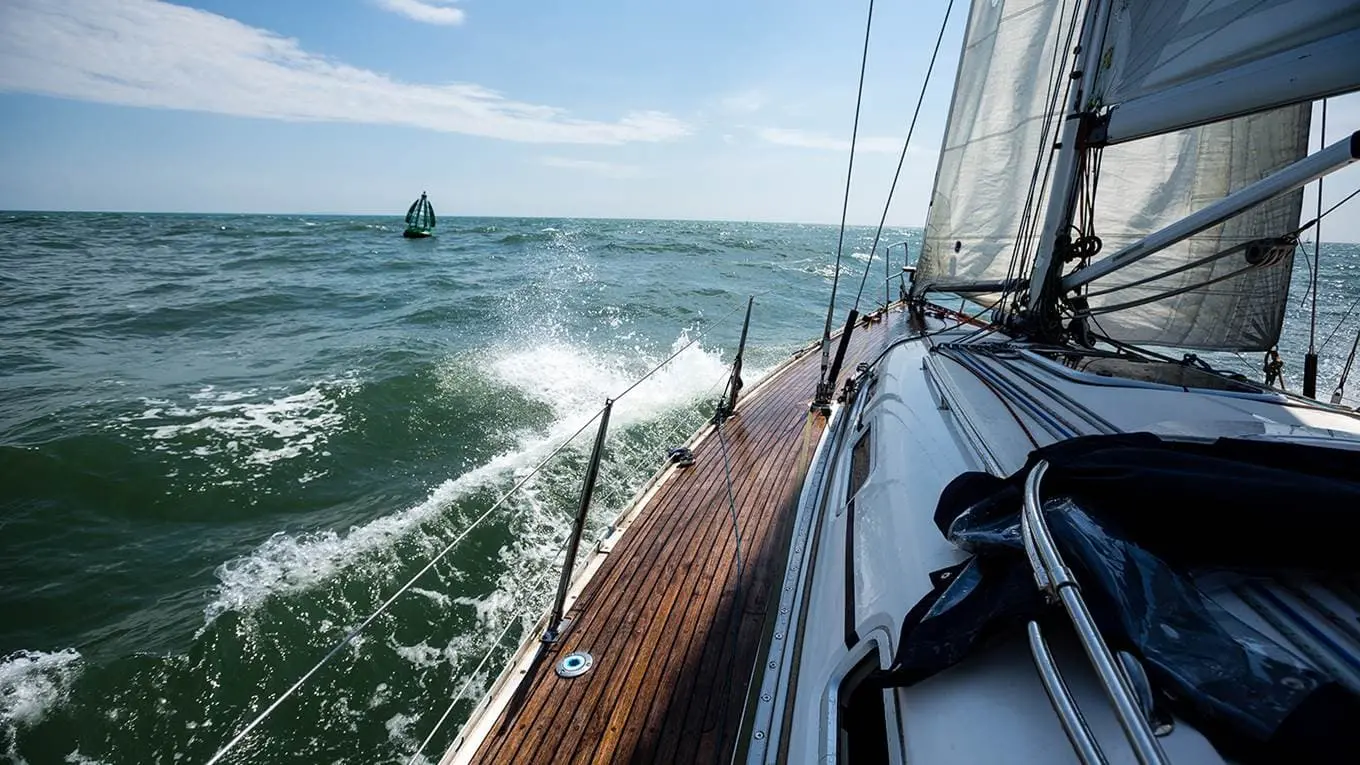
(674, 642)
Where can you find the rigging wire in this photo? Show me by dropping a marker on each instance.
(482, 664)
(901, 158)
(1029, 216)
(354, 633)
(845, 204)
(1317, 244)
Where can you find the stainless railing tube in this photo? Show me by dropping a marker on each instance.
(1136, 727)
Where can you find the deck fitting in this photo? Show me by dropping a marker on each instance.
(575, 664)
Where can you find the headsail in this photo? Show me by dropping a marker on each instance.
(1172, 64)
(1012, 52)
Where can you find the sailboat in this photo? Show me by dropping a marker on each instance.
(1031, 527)
(1016, 535)
(419, 219)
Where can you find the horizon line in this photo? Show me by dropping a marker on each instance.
(443, 216)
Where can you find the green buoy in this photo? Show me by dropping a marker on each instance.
(419, 219)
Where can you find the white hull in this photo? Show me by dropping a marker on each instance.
(933, 412)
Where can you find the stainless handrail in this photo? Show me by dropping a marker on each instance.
(1074, 725)
(1063, 586)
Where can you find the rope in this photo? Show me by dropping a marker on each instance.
(901, 158)
(356, 631)
(845, 204)
(1313, 272)
(1029, 219)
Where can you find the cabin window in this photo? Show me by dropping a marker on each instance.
(859, 464)
(861, 718)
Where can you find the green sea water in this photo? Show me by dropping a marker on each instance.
(224, 440)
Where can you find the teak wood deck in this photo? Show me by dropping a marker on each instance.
(672, 667)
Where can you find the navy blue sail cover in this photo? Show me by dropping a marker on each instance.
(1143, 513)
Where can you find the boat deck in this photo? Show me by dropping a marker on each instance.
(673, 629)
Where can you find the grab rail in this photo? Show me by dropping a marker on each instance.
(1056, 580)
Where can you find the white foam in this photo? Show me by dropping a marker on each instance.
(257, 427)
(438, 598)
(398, 732)
(420, 655)
(572, 381)
(32, 683)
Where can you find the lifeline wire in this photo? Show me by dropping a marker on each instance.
(354, 633)
(736, 594)
(473, 675)
(903, 156)
(845, 204)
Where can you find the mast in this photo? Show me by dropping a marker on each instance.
(1042, 299)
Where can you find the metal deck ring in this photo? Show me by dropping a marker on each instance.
(575, 664)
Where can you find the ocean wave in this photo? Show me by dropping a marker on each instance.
(571, 381)
(254, 428)
(32, 683)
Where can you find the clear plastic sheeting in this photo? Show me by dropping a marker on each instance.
(995, 132)
(1133, 516)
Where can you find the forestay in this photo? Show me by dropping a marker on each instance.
(996, 131)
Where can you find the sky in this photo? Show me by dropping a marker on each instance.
(707, 109)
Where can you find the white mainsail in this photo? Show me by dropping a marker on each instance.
(1151, 183)
(1016, 51)
(996, 129)
(1168, 64)
(1172, 64)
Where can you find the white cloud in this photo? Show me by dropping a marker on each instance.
(804, 139)
(427, 11)
(155, 54)
(746, 102)
(606, 169)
